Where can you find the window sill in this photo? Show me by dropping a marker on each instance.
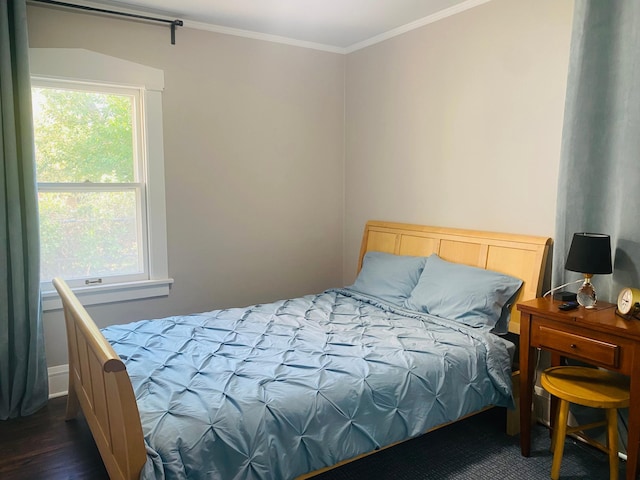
(110, 293)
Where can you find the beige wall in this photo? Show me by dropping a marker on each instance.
(254, 162)
(458, 123)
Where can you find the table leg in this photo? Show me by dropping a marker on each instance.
(527, 366)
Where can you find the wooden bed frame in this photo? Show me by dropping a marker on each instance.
(100, 385)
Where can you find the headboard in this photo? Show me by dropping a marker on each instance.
(521, 256)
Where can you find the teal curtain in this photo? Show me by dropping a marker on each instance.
(23, 369)
(599, 178)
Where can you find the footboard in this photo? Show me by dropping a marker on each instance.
(100, 385)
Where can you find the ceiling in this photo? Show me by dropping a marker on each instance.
(334, 25)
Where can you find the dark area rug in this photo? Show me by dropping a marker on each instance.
(476, 448)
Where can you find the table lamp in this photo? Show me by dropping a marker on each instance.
(589, 254)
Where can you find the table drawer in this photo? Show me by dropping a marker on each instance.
(577, 346)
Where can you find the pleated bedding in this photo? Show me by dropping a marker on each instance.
(277, 390)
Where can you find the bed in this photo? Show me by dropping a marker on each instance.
(291, 388)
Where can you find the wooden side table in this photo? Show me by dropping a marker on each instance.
(596, 336)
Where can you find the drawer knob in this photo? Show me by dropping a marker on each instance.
(573, 345)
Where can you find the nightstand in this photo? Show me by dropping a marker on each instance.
(596, 336)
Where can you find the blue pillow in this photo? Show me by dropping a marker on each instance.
(389, 277)
(470, 295)
(502, 326)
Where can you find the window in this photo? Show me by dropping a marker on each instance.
(91, 184)
(100, 176)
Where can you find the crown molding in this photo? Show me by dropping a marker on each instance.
(266, 37)
(448, 12)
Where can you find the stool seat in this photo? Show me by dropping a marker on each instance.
(589, 387)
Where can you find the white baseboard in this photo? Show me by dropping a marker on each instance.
(58, 380)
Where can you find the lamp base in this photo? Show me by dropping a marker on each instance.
(586, 295)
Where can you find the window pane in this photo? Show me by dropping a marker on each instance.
(83, 136)
(89, 234)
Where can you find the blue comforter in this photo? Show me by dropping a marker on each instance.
(273, 391)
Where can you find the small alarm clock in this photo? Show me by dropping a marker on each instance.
(629, 301)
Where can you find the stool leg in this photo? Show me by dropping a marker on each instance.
(559, 434)
(612, 442)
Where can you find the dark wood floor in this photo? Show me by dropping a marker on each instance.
(44, 446)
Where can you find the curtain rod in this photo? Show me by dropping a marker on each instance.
(172, 23)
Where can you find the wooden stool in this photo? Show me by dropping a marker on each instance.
(592, 388)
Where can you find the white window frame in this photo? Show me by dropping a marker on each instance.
(79, 65)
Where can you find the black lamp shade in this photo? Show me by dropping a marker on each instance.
(590, 253)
